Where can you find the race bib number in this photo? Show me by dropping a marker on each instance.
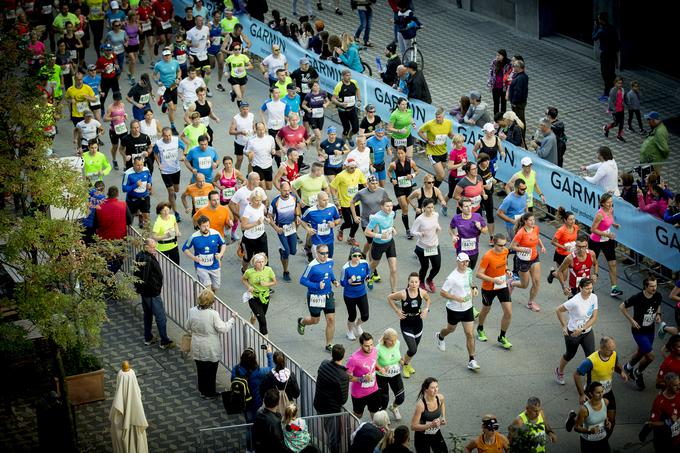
(81, 106)
(503, 284)
(605, 238)
(200, 201)
(216, 40)
(73, 54)
(239, 71)
(120, 128)
(323, 229)
(467, 244)
(118, 49)
(66, 69)
(351, 191)
(144, 99)
(258, 230)
(489, 181)
(140, 189)
(96, 11)
(275, 124)
(431, 431)
(206, 260)
(205, 120)
(578, 280)
(305, 88)
(392, 370)
(109, 68)
(228, 192)
(95, 103)
(317, 112)
(606, 386)
(350, 101)
(204, 162)
(524, 256)
(146, 26)
(460, 172)
(476, 200)
(312, 199)
(335, 160)
(570, 246)
(160, 91)
(181, 58)
(430, 251)
(369, 382)
(675, 428)
(403, 182)
(47, 9)
(386, 235)
(170, 155)
(518, 216)
(400, 141)
(289, 229)
(648, 319)
(317, 301)
(599, 434)
(440, 139)
(166, 24)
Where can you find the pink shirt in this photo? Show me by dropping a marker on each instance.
(604, 225)
(457, 156)
(360, 364)
(619, 100)
(293, 138)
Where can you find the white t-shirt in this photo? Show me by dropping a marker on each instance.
(151, 131)
(275, 113)
(580, 311)
(254, 215)
(262, 149)
(198, 40)
(272, 64)
(88, 130)
(458, 284)
(244, 125)
(429, 227)
(241, 197)
(187, 89)
(363, 160)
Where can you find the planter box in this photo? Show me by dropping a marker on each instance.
(86, 388)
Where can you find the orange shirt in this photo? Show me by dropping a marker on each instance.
(529, 239)
(564, 237)
(493, 265)
(218, 217)
(199, 197)
(499, 445)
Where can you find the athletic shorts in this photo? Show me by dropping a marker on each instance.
(200, 64)
(209, 277)
(331, 171)
(488, 295)
(388, 248)
(132, 48)
(440, 158)
(402, 191)
(524, 266)
(644, 341)
(380, 174)
(170, 95)
(315, 312)
(453, 182)
(238, 80)
(372, 401)
(315, 123)
(607, 247)
(137, 204)
(254, 246)
(409, 141)
(454, 317)
(238, 149)
(266, 174)
(115, 138)
(559, 258)
(171, 179)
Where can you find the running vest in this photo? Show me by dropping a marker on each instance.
(423, 197)
(531, 183)
(595, 418)
(537, 428)
(603, 371)
(291, 173)
(492, 151)
(243, 125)
(579, 269)
(229, 184)
(428, 415)
(605, 225)
(151, 131)
(235, 40)
(411, 305)
(403, 170)
(204, 111)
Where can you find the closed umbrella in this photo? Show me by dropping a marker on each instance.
(128, 422)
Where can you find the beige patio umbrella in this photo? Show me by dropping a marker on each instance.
(128, 422)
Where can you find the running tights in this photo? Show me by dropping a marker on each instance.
(425, 261)
(348, 222)
(412, 330)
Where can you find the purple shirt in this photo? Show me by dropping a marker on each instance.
(468, 234)
(132, 32)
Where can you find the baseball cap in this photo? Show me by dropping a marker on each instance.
(488, 127)
(412, 65)
(244, 104)
(114, 5)
(462, 256)
(91, 67)
(652, 116)
(526, 161)
(107, 46)
(354, 250)
(167, 52)
(380, 129)
(304, 61)
(392, 47)
(372, 178)
(331, 130)
(351, 163)
(475, 95)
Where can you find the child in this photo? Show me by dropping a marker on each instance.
(633, 100)
(295, 433)
(617, 104)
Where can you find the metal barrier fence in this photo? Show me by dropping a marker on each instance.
(181, 290)
(328, 433)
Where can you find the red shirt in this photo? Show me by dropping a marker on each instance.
(107, 66)
(666, 409)
(112, 219)
(144, 13)
(292, 138)
(457, 156)
(670, 364)
(579, 269)
(163, 10)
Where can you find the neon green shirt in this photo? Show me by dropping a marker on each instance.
(228, 25)
(237, 65)
(310, 187)
(401, 120)
(96, 9)
(192, 133)
(388, 357)
(160, 228)
(283, 86)
(255, 278)
(94, 164)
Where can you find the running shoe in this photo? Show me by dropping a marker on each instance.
(639, 379)
(235, 236)
(174, 130)
(423, 287)
(621, 139)
(504, 342)
(644, 432)
(616, 292)
(340, 236)
(405, 372)
(559, 377)
(178, 219)
(232, 96)
(353, 242)
(409, 236)
(628, 369)
(551, 276)
(473, 365)
(209, 94)
(329, 348)
(358, 331)
(571, 421)
(164, 107)
(533, 306)
(350, 335)
(445, 211)
(300, 326)
(662, 330)
(115, 165)
(441, 344)
(141, 58)
(515, 276)
(339, 13)
(319, 6)
(481, 335)
(376, 277)
(605, 131)
(168, 345)
(286, 277)
(410, 368)
(430, 286)
(475, 312)
(220, 87)
(395, 412)
(369, 282)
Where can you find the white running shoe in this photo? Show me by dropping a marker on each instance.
(358, 330)
(441, 344)
(350, 335)
(395, 412)
(473, 365)
(559, 377)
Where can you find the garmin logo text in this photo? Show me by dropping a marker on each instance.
(332, 72)
(574, 189)
(667, 238)
(267, 36)
(390, 100)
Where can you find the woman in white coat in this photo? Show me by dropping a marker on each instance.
(205, 326)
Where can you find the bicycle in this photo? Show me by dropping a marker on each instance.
(413, 53)
(364, 65)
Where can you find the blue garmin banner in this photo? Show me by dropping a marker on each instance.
(640, 231)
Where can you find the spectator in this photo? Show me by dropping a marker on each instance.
(609, 46)
(295, 432)
(417, 86)
(495, 82)
(257, 9)
(407, 24)
(518, 91)
(267, 431)
(306, 34)
(111, 221)
(629, 189)
(655, 206)
(332, 390)
(617, 105)
(205, 326)
(365, 13)
(511, 127)
(557, 127)
(315, 41)
(308, 6)
(654, 149)
(326, 52)
(459, 111)
(281, 379)
(547, 147)
(348, 53)
(672, 214)
(633, 103)
(402, 79)
(396, 441)
(369, 434)
(476, 114)
(606, 171)
(389, 73)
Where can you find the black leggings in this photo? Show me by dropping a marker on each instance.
(487, 206)
(586, 340)
(350, 121)
(632, 112)
(397, 386)
(352, 303)
(97, 27)
(260, 311)
(348, 222)
(617, 121)
(424, 443)
(425, 261)
(107, 85)
(499, 102)
(412, 330)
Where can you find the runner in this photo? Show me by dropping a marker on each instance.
(344, 187)
(260, 149)
(380, 229)
(272, 113)
(490, 441)
(421, 194)
(166, 232)
(332, 152)
(319, 221)
(534, 419)
(355, 272)
(408, 304)
(193, 131)
(314, 103)
(319, 279)
(117, 39)
(578, 330)
(529, 177)
(370, 122)
(242, 127)
(456, 160)
(346, 97)
(434, 133)
(169, 152)
(95, 165)
(564, 240)
(512, 208)
(116, 115)
(389, 359)
(646, 311)
(137, 185)
(163, 14)
(484, 170)
(294, 136)
(400, 125)
(428, 418)
(132, 30)
(201, 159)
(186, 90)
(205, 108)
(285, 213)
(145, 12)
(380, 147)
(525, 242)
(235, 35)
(289, 170)
(426, 231)
(215, 55)
(310, 185)
(578, 265)
(168, 73)
(362, 156)
(239, 201)
(603, 240)
(493, 271)
(137, 144)
(86, 130)
(198, 192)
(459, 290)
(489, 144)
(664, 418)
(258, 280)
(180, 51)
(402, 173)
(253, 222)
(139, 96)
(361, 367)
(293, 101)
(238, 65)
(208, 250)
(220, 219)
(304, 77)
(465, 229)
(94, 80)
(671, 364)
(79, 95)
(370, 198)
(591, 422)
(273, 62)
(471, 186)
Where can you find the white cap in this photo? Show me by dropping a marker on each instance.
(167, 52)
(462, 256)
(351, 163)
(488, 127)
(114, 5)
(526, 161)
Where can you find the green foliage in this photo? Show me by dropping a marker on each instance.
(13, 342)
(456, 443)
(523, 439)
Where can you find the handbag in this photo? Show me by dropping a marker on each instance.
(185, 344)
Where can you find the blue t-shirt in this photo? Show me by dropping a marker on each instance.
(292, 104)
(316, 273)
(131, 185)
(330, 149)
(168, 72)
(318, 219)
(283, 210)
(354, 278)
(378, 148)
(93, 82)
(202, 161)
(512, 206)
(95, 200)
(384, 222)
(112, 15)
(205, 247)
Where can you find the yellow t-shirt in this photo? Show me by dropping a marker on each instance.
(192, 133)
(347, 185)
(78, 101)
(437, 133)
(237, 65)
(160, 228)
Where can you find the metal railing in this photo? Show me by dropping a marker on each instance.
(328, 433)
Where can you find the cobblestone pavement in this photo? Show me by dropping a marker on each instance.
(458, 45)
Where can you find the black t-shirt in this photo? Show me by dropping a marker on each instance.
(370, 127)
(486, 175)
(137, 91)
(135, 146)
(303, 79)
(644, 311)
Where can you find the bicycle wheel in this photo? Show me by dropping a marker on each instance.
(414, 54)
(367, 68)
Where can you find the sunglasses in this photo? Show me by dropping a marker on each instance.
(357, 255)
(370, 111)
(322, 253)
(500, 245)
(276, 50)
(237, 48)
(429, 182)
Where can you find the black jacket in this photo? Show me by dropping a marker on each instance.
(366, 439)
(257, 9)
(291, 386)
(514, 134)
(519, 88)
(390, 75)
(332, 387)
(418, 89)
(268, 432)
(149, 273)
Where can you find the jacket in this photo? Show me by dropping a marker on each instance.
(205, 327)
(255, 378)
(655, 147)
(281, 379)
(514, 134)
(351, 58)
(633, 100)
(112, 218)
(491, 78)
(518, 92)
(612, 99)
(149, 273)
(366, 438)
(418, 89)
(390, 75)
(548, 148)
(268, 432)
(657, 208)
(332, 388)
(478, 114)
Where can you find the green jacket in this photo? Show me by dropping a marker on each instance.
(655, 147)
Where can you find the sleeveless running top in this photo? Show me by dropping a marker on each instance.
(402, 170)
(604, 225)
(492, 151)
(579, 269)
(423, 197)
(428, 415)
(151, 130)
(229, 184)
(595, 418)
(234, 41)
(531, 183)
(204, 111)
(215, 38)
(117, 115)
(291, 173)
(537, 428)
(411, 305)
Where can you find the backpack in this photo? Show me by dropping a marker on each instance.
(283, 399)
(238, 396)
